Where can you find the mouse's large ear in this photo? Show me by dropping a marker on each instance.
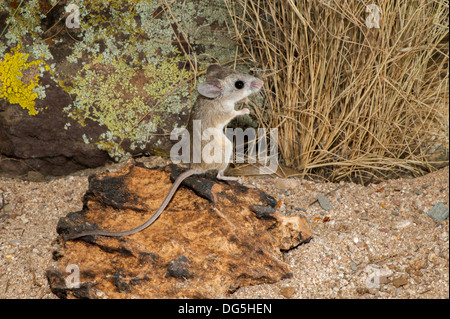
(213, 69)
(210, 89)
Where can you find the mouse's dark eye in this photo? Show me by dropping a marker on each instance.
(239, 84)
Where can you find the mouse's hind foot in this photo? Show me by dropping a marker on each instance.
(222, 177)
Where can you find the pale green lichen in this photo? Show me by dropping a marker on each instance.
(21, 21)
(127, 58)
(112, 100)
(85, 139)
(168, 75)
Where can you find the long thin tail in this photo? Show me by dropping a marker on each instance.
(148, 222)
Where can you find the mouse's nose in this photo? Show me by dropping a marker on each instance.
(256, 84)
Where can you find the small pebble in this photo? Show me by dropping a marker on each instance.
(287, 291)
(402, 224)
(439, 212)
(324, 203)
(8, 208)
(400, 280)
(34, 176)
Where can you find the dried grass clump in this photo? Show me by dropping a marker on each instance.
(351, 102)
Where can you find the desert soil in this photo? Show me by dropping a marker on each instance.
(377, 242)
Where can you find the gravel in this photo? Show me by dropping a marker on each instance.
(376, 241)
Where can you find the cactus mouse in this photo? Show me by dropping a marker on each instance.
(214, 108)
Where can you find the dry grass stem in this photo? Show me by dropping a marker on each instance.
(349, 101)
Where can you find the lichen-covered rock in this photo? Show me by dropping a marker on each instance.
(213, 238)
(109, 77)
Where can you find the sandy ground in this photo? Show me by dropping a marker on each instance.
(377, 242)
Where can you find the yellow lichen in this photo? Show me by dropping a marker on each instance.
(14, 86)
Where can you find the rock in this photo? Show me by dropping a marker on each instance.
(324, 203)
(208, 242)
(402, 224)
(290, 231)
(439, 212)
(287, 291)
(418, 264)
(362, 290)
(94, 87)
(34, 176)
(8, 208)
(40, 141)
(179, 268)
(285, 184)
(400, 280)
(376, 276)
